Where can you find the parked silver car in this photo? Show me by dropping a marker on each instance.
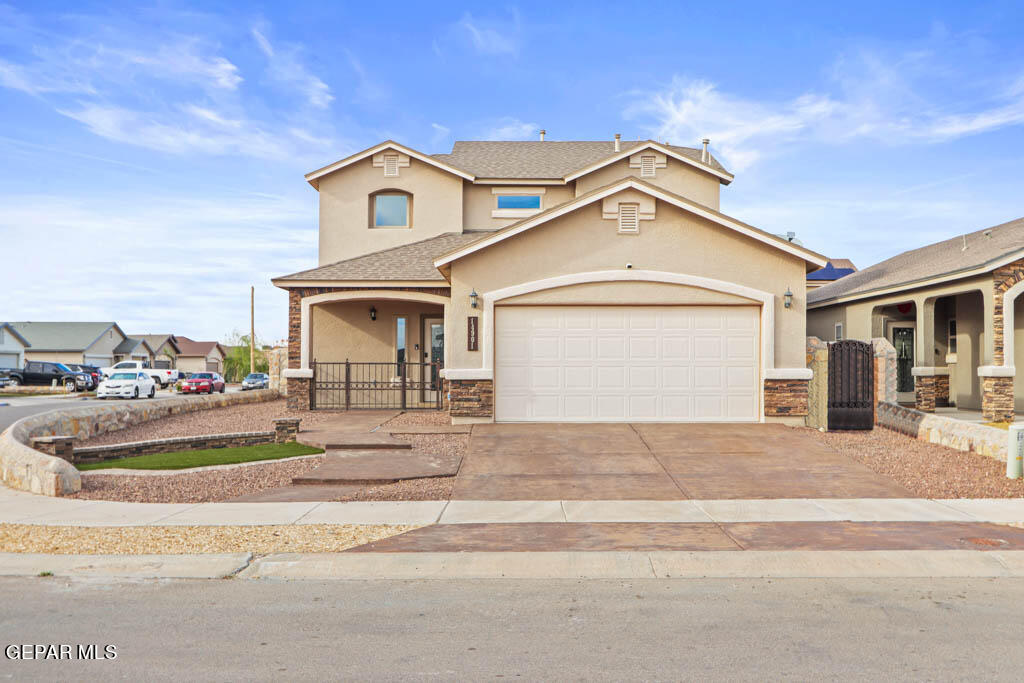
(256, 380)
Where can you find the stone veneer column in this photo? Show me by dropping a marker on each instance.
(471, 398)
(924, 393)
(786, 397)
(997, 399)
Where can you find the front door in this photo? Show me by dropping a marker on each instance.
(433, 336)
(902, 335)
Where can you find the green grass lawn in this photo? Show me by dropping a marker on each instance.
(213, 456)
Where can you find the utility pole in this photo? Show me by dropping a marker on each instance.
(252, 329)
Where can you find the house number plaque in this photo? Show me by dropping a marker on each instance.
(473, 340)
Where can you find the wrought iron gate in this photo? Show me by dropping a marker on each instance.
(382, 386)
(851, 385)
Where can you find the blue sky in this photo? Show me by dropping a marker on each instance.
(153, 154)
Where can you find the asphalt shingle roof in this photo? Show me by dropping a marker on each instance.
(61, 336)
(961, 253)
(548, 159)
(413, 261)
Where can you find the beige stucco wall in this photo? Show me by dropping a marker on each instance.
(343, 330)
(105, 345)
(677, 177)
(618, 293)
(54, 357)
(479, 200)
(675, 241)
(344, 208)
(198, 363)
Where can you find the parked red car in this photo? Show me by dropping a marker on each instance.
(203, 383)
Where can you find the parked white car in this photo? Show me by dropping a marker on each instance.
(127, 385)
(161, 376)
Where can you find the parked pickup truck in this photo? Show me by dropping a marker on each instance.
(161, 376)
(42, 372)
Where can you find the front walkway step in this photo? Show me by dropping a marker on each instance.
(427, 429)
(379, 468)
(330, 441)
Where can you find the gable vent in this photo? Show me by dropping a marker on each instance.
(391, 165)
(646, 166)
(628, 218)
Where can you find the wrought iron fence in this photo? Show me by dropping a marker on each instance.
(383, 386)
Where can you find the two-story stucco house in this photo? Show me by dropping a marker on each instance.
(553, 281)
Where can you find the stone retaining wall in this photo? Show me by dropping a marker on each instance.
(182, 443)
(24, 468)
(963, 436)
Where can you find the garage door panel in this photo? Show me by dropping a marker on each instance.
(616, 363)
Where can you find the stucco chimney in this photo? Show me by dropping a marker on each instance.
(542, 132)
(704, 153)
(618, 146)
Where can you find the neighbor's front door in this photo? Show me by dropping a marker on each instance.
(902, 335)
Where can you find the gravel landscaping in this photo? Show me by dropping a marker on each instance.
(433, 488)
(418, 418)
(194, 487)
(929, 470)
(181, 540)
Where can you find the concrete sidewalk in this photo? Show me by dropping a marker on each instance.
(526, 565)
(25, 508)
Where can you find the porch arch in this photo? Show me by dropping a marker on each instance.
(1009, 298)
(308, 302)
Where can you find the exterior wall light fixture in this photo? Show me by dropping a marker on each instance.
(373, 313)
(473, 296)
(788, 298)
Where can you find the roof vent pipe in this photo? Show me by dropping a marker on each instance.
(618, 146)
(704, 153)
(542, 132)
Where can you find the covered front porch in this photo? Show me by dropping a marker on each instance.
(366, 348)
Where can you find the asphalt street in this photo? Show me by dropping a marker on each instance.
(937, 629)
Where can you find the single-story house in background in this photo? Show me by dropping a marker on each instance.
(91, 343)
(199, 356)
(12, 347)
(588, 281)
(953, 311)
(133, 348)
(835, 269)
(165, 350)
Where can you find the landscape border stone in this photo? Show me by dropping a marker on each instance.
(27, 469)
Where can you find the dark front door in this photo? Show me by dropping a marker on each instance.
(851, 385)
(903, 340)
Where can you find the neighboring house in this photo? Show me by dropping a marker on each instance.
(133, 348)
(92, 343)
(555, 281)
(199, 356)
(12, 347)
(835, 269)
(946, 308)
(165, 350)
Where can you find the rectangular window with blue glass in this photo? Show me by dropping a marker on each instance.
(519, 201)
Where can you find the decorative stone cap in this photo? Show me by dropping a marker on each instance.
(788, 373)
(298, 373)
(997, 371)
(923, 371)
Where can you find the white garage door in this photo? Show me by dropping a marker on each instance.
(99, 361)
(8, 360)
(618, 363)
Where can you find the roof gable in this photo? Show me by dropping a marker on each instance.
(158, 341)
(722, 175)
(313, 178)
(190, 347)
(598, 194)
(64, 336)
(14, 333)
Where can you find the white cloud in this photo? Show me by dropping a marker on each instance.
(510, 128)
(441, 134)
(369, 88)
(490, 40)
(907, 100)
(37, 81)
(284, 67)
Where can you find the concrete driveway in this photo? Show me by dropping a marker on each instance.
(659, 462)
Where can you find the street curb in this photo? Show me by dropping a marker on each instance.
(213, 566)
(636, 565)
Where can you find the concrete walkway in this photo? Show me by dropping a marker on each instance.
(25, 508)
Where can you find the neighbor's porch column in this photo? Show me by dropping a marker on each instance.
(928, 379)
(997, 401)
(298, 377)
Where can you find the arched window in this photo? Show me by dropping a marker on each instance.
(390, 209)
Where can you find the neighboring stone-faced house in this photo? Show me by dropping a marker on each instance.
(199, 356)
(833, 270)
(12, 347)
(554, 281)
(91, 343)
(953, 312)
(165, 350)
